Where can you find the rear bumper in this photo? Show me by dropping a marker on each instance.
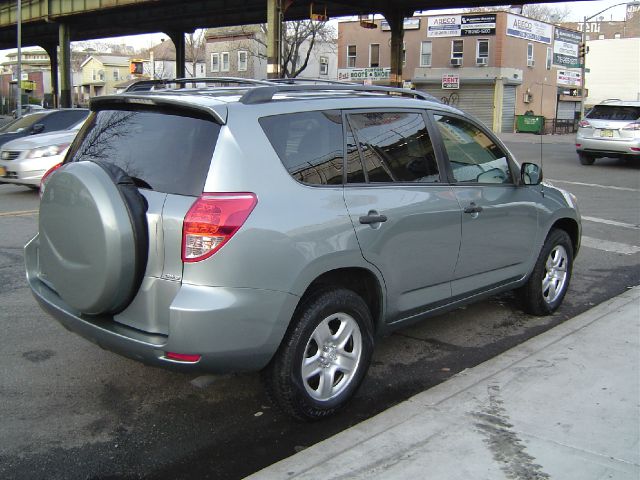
(233, 329)
(604, 148)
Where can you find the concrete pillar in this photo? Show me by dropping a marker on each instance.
(65, 65)
(178, 41)
(52, 51)
(274, 38)
(498, 102)
(395, 18)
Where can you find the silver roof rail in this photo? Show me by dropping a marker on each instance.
(263, 94)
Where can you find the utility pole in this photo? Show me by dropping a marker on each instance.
(19, 66)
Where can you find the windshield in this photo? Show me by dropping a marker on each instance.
(614, 112)
(22, 123)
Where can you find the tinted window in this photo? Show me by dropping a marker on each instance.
(309, 145)
(24, 122)
(395, 147)
(63, 119)
(612, 112)
(473, 156)
(167, 152)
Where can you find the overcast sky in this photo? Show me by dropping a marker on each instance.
(578, 10)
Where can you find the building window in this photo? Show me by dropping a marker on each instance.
(224, 62)
(549, 57)
(425, 54)
(482, 52)
(374, 55)
(242, 61)
(93, 74)
(530, 62)
(324, 65)
(617, 35)
(601, 36)
(215, 62)
(404, 53)
(456, 48)
(115, 75)
(351, 56)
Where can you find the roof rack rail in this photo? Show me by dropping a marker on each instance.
(149, 84)
(308, 81)
(263, 94)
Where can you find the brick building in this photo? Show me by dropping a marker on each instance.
(496, 64)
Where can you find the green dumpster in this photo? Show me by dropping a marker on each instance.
(530, 123)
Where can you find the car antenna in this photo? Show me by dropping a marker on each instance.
(541, 135)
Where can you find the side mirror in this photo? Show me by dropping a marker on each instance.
(37, 128)
(530, 174)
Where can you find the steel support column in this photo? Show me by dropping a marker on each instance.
(52, 51)
(274, 38)
(178, 41)
(65, 66)
(395, 18)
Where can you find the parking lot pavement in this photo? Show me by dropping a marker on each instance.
(563, 405)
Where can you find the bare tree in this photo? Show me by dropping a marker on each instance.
(195, 46)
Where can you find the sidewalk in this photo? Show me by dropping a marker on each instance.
(533, 138)
(563, 405)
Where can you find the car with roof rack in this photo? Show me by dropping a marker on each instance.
(284, 228)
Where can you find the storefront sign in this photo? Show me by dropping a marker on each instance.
(566, 44)
(569, 78)
(528, 29)
(362, 74)
(450, 81)
(461, 25)
(411, 23)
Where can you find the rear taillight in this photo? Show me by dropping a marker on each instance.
(211, 221)
(183, 357)
(45, 178)
(584, 124)
(632, 126)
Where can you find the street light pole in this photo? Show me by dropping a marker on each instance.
(19, 66)
(584, 42)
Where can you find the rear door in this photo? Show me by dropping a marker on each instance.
(407, 220)
(499, 216)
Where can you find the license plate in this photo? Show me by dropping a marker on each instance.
(3, 171)
(606, 133)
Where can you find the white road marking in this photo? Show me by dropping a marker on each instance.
(611, 222)
(18, 214)
(608, 246)
(610, 187)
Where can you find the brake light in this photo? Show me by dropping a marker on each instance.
(183, 357)
(584, 124)
(212, 220)
(45, 178)
(632, 126)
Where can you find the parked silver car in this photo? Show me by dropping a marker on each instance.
(610, 129)
(282, 228)
(25, 161)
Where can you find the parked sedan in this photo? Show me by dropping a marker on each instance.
(25, 160)
(42, 122)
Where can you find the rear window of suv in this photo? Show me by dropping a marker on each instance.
(164, 151)
(614, 112)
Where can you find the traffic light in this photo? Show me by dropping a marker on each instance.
(583, 50)
(136, 67)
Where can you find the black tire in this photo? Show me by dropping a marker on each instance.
(283, 377)
(555, 259)
(586, 159)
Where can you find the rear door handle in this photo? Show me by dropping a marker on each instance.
(473, 208)
(372, 218)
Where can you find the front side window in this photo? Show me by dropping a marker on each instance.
(456, 48)
(473, 156)
(242, 61)
(309, 144)
(224, 62)
(374, 55)
(425, 54)
(394, 147)
(215, 62)
(351, 56)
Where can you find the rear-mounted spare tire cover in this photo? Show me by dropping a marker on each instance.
(93, 237)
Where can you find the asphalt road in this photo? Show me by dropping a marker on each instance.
(69, 410)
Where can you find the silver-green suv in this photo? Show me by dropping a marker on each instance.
(282, 228)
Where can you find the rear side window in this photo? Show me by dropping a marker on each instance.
(63, 119)
(164, 151)
(395, 147)
(614, 112)
(309, 145)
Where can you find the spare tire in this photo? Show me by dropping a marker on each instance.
(93, 236)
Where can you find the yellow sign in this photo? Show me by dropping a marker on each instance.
(27, 85)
